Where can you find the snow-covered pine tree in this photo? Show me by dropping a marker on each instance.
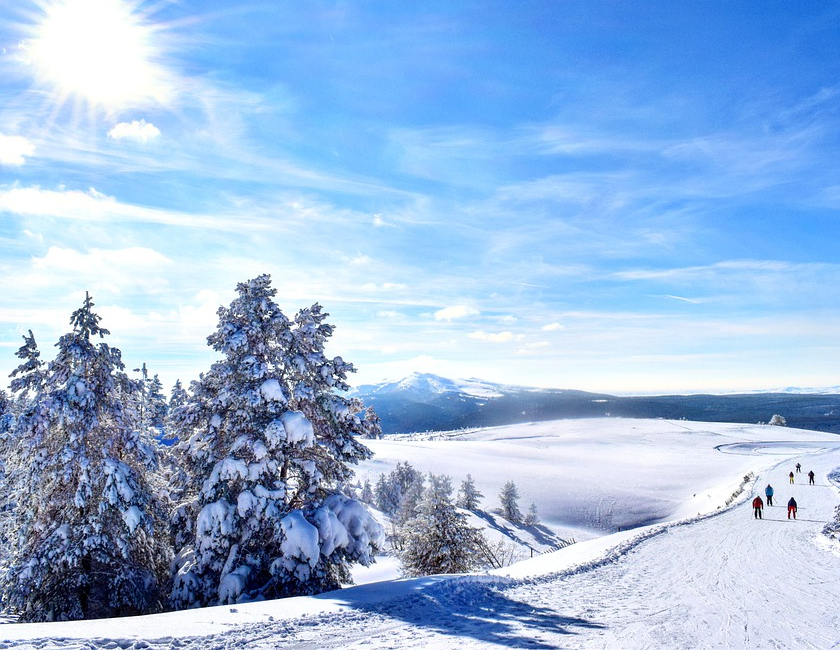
(7, 492)
(267, 443)
(90, 537)
(392, 489)
(156, 403)
(469, 495)
(151, 403)
(532, 518)
(28, 377)
(178, 397)
(439, 539)
(367, 493)
(372, 424)
(509, 498)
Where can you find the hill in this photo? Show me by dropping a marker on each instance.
(700, 574)
(426, 402)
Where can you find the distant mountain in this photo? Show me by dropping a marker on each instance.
(427, 402)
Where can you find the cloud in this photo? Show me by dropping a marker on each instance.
(379, 222)
(551, 327)
(456, 311)
(490, 337)
(385, 286)
(137, 130)
(114, 271)
(693, 301)
(94, 206)
(14, 149)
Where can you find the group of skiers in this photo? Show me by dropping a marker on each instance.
(758, 504)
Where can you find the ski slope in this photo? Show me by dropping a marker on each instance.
(709, 578)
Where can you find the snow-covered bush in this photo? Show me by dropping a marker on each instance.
(778, 420)
(88, 532)
(267, 441)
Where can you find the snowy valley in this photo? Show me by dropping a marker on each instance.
(689, 568)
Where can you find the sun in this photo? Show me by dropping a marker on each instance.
(101, 52)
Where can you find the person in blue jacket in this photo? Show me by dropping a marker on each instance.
(768, 492)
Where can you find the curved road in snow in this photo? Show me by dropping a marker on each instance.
(723, 581)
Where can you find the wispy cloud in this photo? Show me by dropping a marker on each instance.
(94, 206)
(692, 301)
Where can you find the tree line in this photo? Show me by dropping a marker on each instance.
(247, 500)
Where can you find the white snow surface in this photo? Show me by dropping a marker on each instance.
(699, 574)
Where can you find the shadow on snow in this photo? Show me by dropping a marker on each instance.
(479, 609)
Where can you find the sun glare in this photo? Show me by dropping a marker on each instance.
(98, 51)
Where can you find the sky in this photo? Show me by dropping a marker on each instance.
(613, 196)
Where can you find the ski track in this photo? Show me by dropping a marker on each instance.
(721, 581)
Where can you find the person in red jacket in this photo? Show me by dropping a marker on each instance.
(758, 504)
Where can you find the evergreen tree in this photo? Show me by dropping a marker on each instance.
(509, 498)
(367, 493)
(372, 425)
(384, 497)
(468, 495)
(156, 404)
(7, 491)
(439, 539)
(178, 397)
(532, 518)
(90, 536)
(266, 443)
(399, 490)
(151, 403)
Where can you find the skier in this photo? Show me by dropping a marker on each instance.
(791, 477)
(798, 468)
(768, 492)
(811, 477)
(758, 504)
(792, 507)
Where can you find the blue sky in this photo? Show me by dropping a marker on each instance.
(611, 196)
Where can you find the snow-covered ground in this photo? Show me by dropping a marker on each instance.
(689, 572)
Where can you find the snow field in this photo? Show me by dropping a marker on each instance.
(718, 579)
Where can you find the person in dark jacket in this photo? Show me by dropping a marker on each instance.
(758, 504)
(791, 477)
(768, 492)
(811, 477)
(792, 508)
(798, 467)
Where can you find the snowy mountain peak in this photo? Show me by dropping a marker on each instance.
(428, 384)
